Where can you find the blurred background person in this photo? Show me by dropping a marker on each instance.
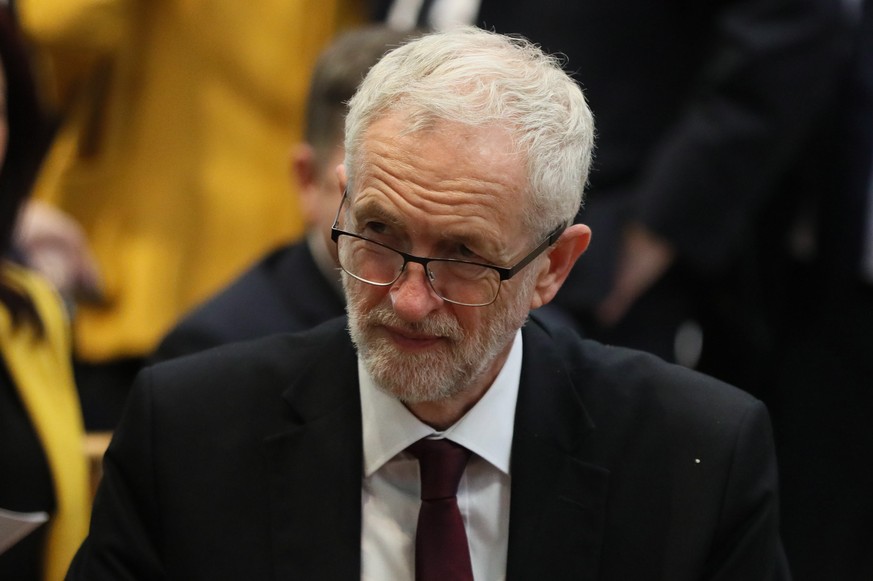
(702, 109)
(297, 286)
(824, 400)
(42, 462)
(172, 155)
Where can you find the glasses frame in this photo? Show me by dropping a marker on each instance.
(504, 272)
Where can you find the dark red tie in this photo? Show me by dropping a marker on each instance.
(441, 550)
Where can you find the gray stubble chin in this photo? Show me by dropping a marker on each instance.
(437, 374)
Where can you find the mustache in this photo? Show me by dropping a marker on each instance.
(438, 325)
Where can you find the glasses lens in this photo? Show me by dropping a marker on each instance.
(466, 284)
(368, 261)
(457, 282)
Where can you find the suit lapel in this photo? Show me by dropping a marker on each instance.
(558, 501)
(315, 470)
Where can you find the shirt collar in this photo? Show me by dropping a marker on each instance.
(486, 429)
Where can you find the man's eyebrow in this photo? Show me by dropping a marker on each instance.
(488, 250)
(371, 210)
(467, 237)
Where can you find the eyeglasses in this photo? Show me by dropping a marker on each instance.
(461, 282)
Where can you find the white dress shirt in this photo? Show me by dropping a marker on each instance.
(390, 493)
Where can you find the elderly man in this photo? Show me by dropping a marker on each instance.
(440, 432)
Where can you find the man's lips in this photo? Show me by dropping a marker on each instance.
(411, 340)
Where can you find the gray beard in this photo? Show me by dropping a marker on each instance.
(437, 374)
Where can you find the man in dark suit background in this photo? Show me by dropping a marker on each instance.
(296, 286)
(297, 456)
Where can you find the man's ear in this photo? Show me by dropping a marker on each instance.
(303, 166)
(305, 173)
(342, 177)
(559, 260)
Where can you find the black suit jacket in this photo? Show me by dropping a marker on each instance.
(284, 292)
(245, 462)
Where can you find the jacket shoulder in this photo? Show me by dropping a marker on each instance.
(274, 360)
(612, 380)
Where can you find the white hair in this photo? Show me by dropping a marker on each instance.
(480, 78)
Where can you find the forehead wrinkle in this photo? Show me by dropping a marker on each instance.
(458, 197)
(439, 229)
(487, 223)
(368, 208)
(405, 155)
(450, 178)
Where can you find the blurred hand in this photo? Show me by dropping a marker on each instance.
(54, 244)
(643, 260)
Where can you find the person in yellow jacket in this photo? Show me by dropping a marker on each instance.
(178, 119)
(42, 459)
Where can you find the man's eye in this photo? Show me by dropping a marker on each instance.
(463, 252)
(375, 228)
(380, 232)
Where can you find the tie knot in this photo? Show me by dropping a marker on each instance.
(442, 463)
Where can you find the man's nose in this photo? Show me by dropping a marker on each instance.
(412, 296)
